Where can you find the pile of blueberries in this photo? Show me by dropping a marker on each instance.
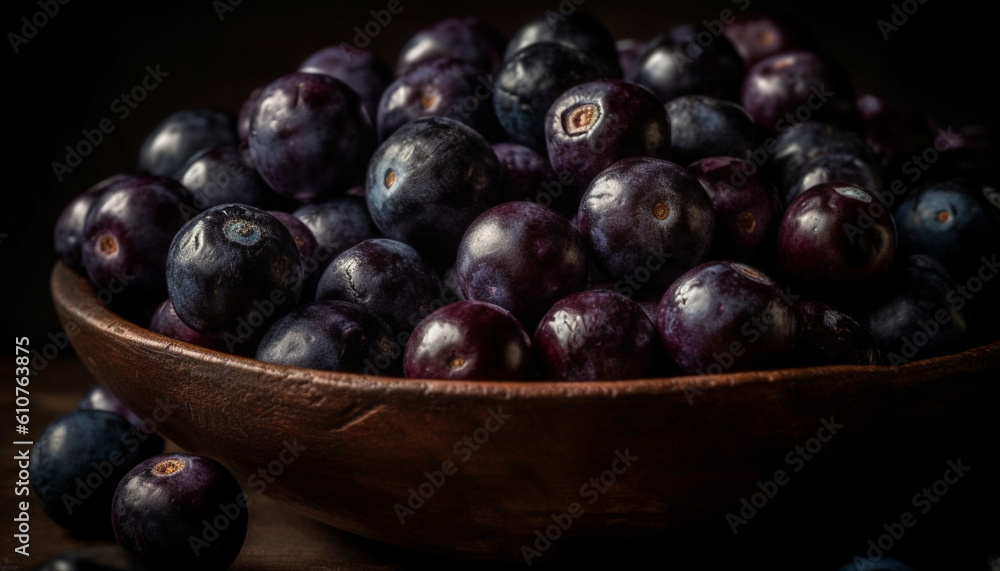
(556, 206)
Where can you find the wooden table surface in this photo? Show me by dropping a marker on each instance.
(964, 528)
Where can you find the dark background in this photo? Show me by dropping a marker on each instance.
(944, 59)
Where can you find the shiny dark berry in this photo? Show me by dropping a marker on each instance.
(522, 257)
(127, 233)
(531, 80)
(428, 181)
(181, 135)
(310, 137)
(69, 226)
(181, 511)
(100, 398)
(331, 336)
(465, 38)
(595, 124)
(220, 176)
(595, 335)
(386, 277)
(725, 317)
(834, 167)
(578, 29)
(78, 461)
(747, 208)
(646, 221)
(361, 70)
(440, 87)
(802, 142)
(232, 271)
(833, 237)
(758, 35)
(704, 126)
(683, 62)
(468, 340)
(337, 224)
(799, 86)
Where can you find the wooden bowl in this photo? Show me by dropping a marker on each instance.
(495, 460)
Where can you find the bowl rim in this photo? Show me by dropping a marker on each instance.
(75, 299)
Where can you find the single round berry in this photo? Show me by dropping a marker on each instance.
(468, 340)
(578, 29)
(310, 136)
(182, 135)
(595, 335)
(726, 317)
(677, 63)
(165, 322)
(828, 336)
(835, 236)
(69, 226)
(646, 222)
(232, 271)
(466, 39)
(221, 175)
(361, 70)
(522, 257)
(180, 511)
(332, 336)
(428, 182)
(704, 127)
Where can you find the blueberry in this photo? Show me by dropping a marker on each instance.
(682, 63)
(779, 90)
(578, 29)
(221, 175)
(828, 336)
(595, 335)
(428, 181)
(331, 336)
(69, 226)
(646, 221)
(726, 317)
(127, 233)
(178, 137)
(522, 257)
(165, 322)
(439, 87)
(232, 271)
(466, 39)
(834, 167)
(915, 316)
(179, 510)
(956, 221)
(468, 340)
(704, 126)
(310, 136)
(361, 70)
(386, 277)
(833, 237)
(595, 124)
(747, 208)
(77, 462)
(530, 82)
